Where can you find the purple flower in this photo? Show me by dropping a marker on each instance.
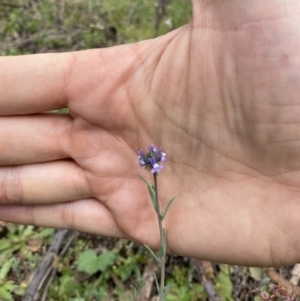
(151, 160)
(163, 156)
(151, 148)
(141, 158)
(156, 168)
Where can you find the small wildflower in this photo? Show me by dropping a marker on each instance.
(151, 160)
(141, 158)
(163, 156)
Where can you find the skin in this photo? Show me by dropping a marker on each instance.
(220, 95)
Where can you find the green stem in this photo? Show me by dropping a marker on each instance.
(162, 259)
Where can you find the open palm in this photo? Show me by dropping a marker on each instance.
(220, 95)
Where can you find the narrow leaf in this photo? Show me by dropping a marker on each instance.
(151, 192)
(168, 206)
(156, 281)
(153, 254)
(145, 181)
(167, 288)
(6, 268)
(5, 244)
(5, 295)
(28, 231)
(46, 232)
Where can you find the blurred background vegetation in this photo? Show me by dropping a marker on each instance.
(89, 267)
(35, 26)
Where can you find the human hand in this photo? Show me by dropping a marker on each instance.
(220, 95)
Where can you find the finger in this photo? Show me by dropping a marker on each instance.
(42, 183)
(33, 83)
(34, 138)
(38, 83)
(87, 215)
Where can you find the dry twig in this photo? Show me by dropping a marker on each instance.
(291, 289)
(295, 274)
(43, 270)
(206, 282)
(148, 275)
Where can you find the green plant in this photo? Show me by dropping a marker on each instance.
(185, 292)
(224, 285)
(151, 162)
(90, 263)
(6, 287)
(19, 244)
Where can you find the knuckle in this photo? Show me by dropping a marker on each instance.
(10, 185)
(67, 216)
